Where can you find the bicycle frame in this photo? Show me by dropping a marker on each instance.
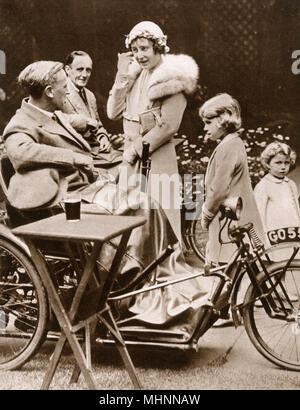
(211, 311)
(230, 275)
(253, 264)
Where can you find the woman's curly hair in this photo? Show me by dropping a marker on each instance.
(150, 31)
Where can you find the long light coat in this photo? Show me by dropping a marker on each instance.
(227, 175)
(164, 87)
(277, 202)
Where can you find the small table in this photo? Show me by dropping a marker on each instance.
(94, 229)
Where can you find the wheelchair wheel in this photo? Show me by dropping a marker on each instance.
(277, 335)
(23, 308)
(198, 239)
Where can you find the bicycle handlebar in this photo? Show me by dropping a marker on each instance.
(249, 229)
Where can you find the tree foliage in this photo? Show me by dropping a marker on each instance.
(242, 47)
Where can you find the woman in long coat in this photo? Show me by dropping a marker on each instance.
(149, 78)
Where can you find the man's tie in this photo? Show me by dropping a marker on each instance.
(83, 96)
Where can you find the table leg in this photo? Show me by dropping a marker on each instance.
(121, 346)
(88, 346)
(76, 371)
(64, 320)
(110, 324)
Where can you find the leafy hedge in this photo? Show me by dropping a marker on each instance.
(193, 156)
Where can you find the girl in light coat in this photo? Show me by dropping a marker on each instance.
(277, 195)
(227, 174)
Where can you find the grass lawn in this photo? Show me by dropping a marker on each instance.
(157, 370)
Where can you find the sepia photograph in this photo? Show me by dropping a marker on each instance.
(150, 198)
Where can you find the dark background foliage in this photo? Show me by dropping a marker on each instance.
(243, 47)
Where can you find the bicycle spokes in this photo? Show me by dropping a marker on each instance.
(275, 331)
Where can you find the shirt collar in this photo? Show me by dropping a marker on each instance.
(271, 178)
(48, 113)
(228, 137)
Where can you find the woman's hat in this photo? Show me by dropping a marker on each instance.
(149, 30)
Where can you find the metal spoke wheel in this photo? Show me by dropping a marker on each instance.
(23, 307)
(276, 335)
(198, 239)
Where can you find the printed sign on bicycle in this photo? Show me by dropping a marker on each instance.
(290, 234)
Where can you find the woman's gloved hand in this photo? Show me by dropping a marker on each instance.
(124, 61)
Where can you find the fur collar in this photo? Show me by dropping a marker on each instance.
(176, 73)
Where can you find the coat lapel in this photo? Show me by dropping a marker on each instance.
(77, 102)
(62, 127)
(91, 105)
(228, 137)
(209, 165)
(69, 131)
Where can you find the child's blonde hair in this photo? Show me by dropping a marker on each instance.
(275, 148)
(226, 106)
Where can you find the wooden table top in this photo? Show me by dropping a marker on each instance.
(91, 227)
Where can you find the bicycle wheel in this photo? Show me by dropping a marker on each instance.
(277, 338)
(23, 308)
(198, 239)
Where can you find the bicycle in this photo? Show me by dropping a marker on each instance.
(277, 311)
(193, 235)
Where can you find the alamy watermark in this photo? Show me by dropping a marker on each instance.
(2, 321)
(2, 62)
(296, 64)
(163, 191)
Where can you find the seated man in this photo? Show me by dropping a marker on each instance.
(48, 155)
(50, 159)
(80, 100)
